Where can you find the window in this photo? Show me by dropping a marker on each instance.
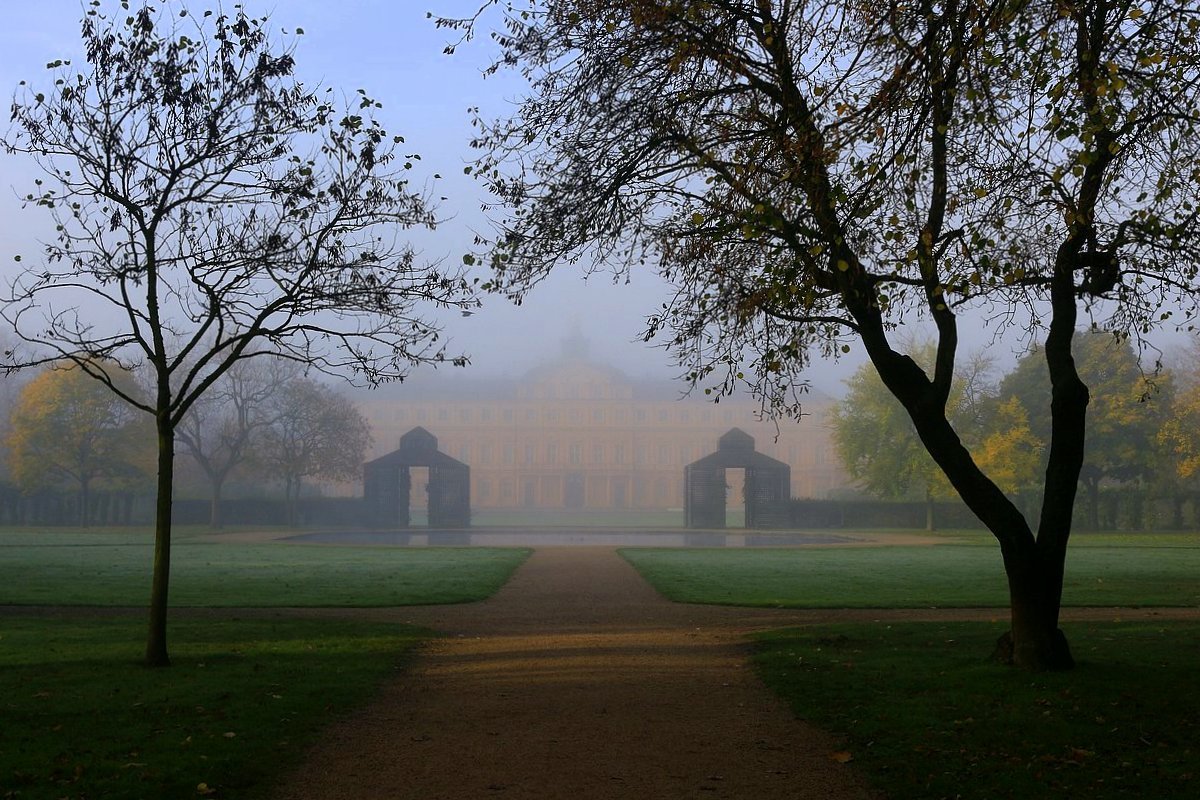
(639, 454)
(510, 452)
(528, 453)
(598, 454)
(575, 454)
(464, 415)
(508, 415)
(598, 415)
(485, 414)
(664, 454)
(443, 413)
(619, 454)
(485, 453)
(552, 453)
(464, 453)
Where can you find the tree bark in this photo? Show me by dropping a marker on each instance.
(930, 512)
(215, 519)
(85, 502)
(1034, 641)
(156, 640)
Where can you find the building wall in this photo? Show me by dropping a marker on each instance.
(578, 434)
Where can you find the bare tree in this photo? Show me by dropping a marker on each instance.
(220, 430)
(314, 433)
(211, 208)
(812, 173)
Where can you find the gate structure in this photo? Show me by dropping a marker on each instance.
(387, 484)
(768, 485)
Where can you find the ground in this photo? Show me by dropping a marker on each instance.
(577, 680)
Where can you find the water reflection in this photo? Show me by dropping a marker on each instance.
(577, 538)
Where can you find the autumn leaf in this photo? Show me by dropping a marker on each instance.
(842, 756)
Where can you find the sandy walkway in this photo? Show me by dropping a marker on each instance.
(577, 681)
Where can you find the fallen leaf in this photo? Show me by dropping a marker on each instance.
(203, 788)
(229, 734)
(842, 756)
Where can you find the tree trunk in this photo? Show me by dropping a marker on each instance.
(215, 519)
(930, 512)
(1034, 641)
(1093, 490)
(85, 502)
(156, 640)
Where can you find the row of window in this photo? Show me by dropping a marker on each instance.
(552, 491)
(575, 454)
(578, 454)
(572, 415)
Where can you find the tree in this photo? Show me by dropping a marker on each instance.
(210, 208)
(1010, 452)
(810, 172)
(314, 433)
(220, 428)
(1127, 409)
(67, 427)
(878, 444)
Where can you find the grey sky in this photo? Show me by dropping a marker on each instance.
(390, 49)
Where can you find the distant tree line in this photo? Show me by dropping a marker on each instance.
(1141, 465)
(76, 454)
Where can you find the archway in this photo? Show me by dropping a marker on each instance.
(767, 485)
(387, 485)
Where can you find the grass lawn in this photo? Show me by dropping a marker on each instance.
(83, 719)
(925, 716)
(113, 569)
(1111, 571)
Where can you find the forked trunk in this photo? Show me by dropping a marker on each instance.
(156, 640)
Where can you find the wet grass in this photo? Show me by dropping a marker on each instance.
(924, 715)
(113, 569)
(83, 719)
(1114, 571)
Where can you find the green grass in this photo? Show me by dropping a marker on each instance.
(925, 716)
(112, 570)
(82, 718)
(1098, 574)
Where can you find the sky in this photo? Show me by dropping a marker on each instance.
(393, 51)
(390, 49)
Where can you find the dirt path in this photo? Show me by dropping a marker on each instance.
(577, 681)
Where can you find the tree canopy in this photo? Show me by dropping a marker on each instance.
(209, 208)
(68, 428)
(810, 173)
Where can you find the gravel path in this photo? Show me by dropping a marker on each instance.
(577, 681)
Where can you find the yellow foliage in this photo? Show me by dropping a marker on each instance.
(1011, 455)
(1181, 433)
(69, 426)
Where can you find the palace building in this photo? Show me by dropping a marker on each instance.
(575, 433)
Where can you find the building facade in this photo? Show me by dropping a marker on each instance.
(579, 434)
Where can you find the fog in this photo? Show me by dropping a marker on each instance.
(394, 52)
